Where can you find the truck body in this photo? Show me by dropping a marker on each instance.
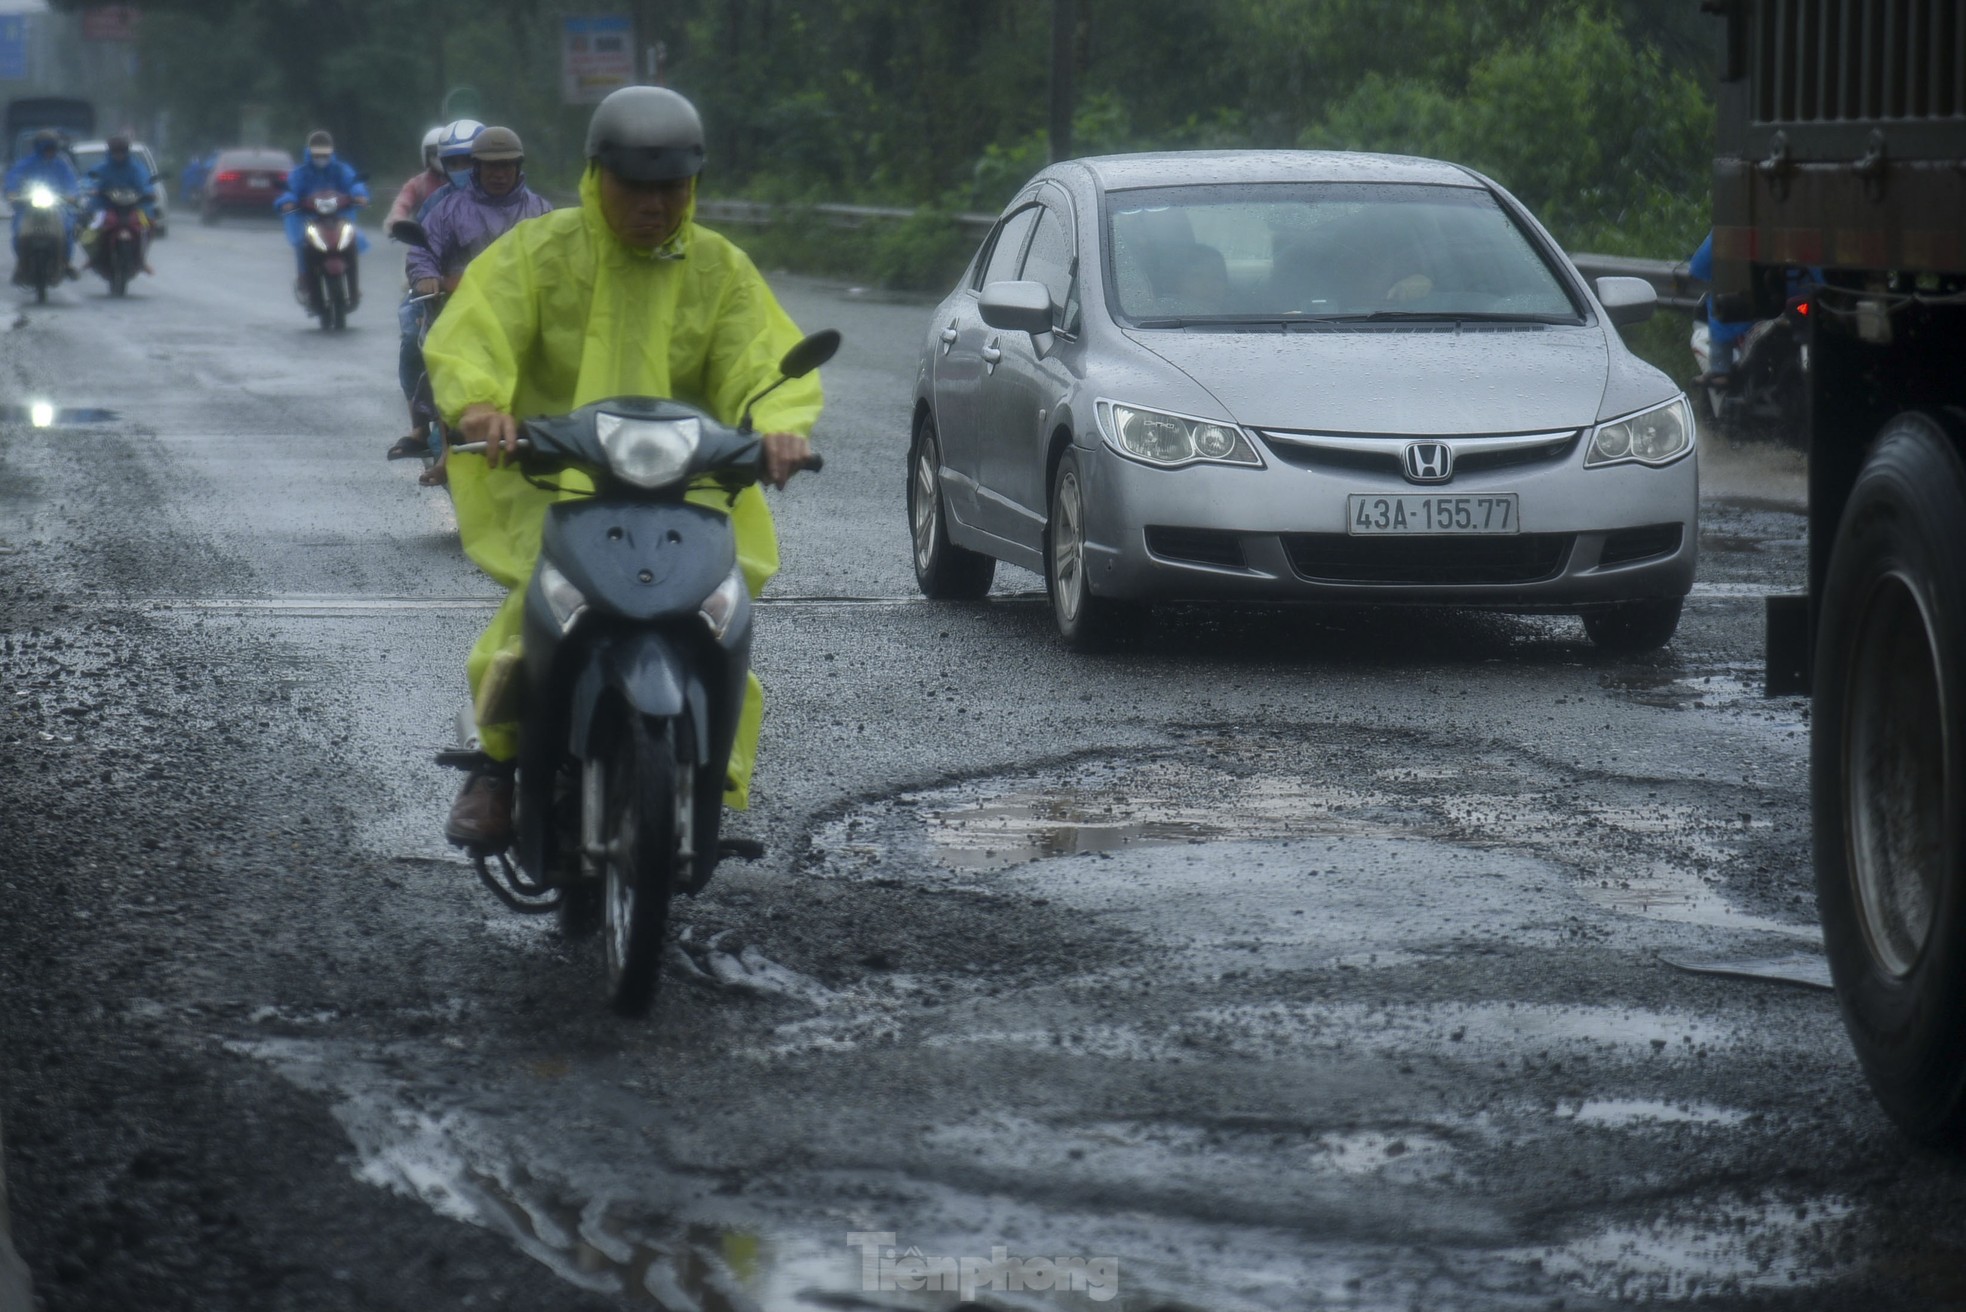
(1841, 148)
(74, 119)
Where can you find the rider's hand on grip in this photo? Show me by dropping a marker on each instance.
(496, 429)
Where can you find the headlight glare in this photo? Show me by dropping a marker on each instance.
(1165, 439)
(41, 196)
(563, 600)
(1657, 436)
(721, 606)
(648, 452)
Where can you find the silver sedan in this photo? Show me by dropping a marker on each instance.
(1319, 376)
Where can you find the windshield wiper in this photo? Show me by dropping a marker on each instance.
(1437, 316)
(1221, 321)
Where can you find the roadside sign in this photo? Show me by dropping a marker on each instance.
(597, 55)
(109, 23)
(14, 34)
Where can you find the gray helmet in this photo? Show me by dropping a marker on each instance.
(646, 134)
(495, 144)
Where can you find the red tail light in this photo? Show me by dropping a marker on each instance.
(228, 176)
(1802, 308)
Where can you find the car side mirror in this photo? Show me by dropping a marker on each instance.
(1627, 301)
(1017, 307)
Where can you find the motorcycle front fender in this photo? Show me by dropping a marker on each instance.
(650, 674)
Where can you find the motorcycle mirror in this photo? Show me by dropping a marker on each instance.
(809, 354)
(410, 233)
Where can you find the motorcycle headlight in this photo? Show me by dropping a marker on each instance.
(1657, 436)
(564, 601)
(315, 239)
(1160, 438)
(720, 607)
(347, 237)
(648, 452)
(41, 196)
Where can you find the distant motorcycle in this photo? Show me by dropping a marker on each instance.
(118, 239)
(637, 646)
(329, 240)
(41, 240)
(1764, 394)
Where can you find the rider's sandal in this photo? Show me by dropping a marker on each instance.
(410, 447)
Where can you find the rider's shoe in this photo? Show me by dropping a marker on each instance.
(300, 291)
(72, 273)
(435, 476)
(481, 817)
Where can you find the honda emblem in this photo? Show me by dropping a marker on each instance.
(1429, 462)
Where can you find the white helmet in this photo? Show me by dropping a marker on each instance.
(430, 142)
(454, 147)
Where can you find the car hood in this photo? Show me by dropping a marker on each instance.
(1396, 381)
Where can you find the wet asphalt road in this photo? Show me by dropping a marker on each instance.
(1285, 960)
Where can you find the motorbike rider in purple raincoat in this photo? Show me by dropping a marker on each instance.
(463, 221)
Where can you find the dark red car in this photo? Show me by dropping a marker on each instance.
(245, 180)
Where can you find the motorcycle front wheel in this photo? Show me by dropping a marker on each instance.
(119, 268)
(649, 820)
(337, 303)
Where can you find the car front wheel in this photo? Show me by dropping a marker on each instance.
(1086, 621)
(1634, 626)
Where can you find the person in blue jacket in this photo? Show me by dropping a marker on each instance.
(322, 170)
(121, 171)
(49, 166)
(191, 182)
(1722, 334)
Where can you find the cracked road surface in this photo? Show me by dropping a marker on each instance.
(1353, 959)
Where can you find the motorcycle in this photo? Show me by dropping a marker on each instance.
(636, 651)
(118, 239)
(423, 405)
(40, 239)
(329, 240)
(1764, 392)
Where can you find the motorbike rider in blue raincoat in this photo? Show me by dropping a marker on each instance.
(52, 169)
(121, 170)
(322, 170)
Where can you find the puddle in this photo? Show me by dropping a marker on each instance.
(45, 414)
(1618, 1113)
(1724, 688)
(1721, 1249)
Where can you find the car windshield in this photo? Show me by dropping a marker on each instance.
(1276, 253)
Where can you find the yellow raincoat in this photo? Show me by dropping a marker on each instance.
(558, 313)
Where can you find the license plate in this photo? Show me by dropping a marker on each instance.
(259, 182)
(1408, 514)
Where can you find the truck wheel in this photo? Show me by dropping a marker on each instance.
(1634, 626)
(1887, 770)
(943, 570)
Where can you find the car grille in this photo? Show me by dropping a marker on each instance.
(1457, 560)
(1629, 544)
(1308, 453)
(1199, 545)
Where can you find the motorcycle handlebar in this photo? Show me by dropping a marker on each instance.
(812, 465)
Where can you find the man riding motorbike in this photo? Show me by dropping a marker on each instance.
(119, 171)
(50, 167)
(409, 199)
(322, 170)
(460, 225)
(624, 295)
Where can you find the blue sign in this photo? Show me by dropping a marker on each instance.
(15, 30)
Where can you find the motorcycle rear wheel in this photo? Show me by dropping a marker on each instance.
(650, 828)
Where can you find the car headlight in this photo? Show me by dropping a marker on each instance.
(41, 197)
(1160, 438)
(563, 600)
(720, 607)
(648, 452)
(1657, 436)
